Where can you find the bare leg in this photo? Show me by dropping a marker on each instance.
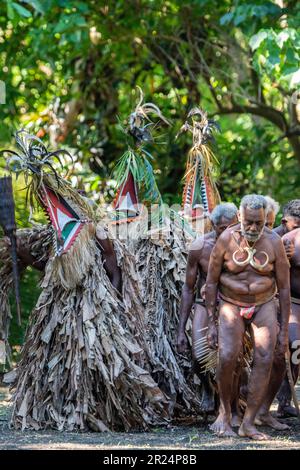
(284, 395)
(264, 416)
(200, 322)
(264, 329)
(236, 415)
(231, 330)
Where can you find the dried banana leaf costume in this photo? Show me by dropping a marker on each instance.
(160, 256)
(81, 367)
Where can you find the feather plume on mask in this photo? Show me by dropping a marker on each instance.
(70, 215)
(133, 172)
(200, 194)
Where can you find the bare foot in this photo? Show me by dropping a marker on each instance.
(269, 420)
(221, 427)
(251, 432)
(236, 420)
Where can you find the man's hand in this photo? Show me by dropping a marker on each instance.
(182, 342)
(212, 335)
(289, 247)
(282, 342)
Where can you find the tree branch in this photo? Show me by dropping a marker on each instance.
(271, 114)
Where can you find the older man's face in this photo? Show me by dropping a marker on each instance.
(252, 223)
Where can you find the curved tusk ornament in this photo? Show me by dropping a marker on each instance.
(250, 259)
(257, 266)
(246, 261)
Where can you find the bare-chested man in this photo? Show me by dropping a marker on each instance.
(221, 217)
(290, 221)
(290, 218)
(264, 416)
(248, 265)
(284, 396)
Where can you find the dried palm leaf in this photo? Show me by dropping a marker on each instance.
(159, 264)
(83, 363)
(208, 358)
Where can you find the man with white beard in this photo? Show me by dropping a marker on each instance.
(248, 266)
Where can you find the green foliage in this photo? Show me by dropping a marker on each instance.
(76, 64)
(248, 12)
(71, 67)
(277, 56)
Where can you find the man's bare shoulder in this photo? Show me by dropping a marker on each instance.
(227, 234)
(293, 236)
(198, 244)
(279, 230)
(271, 235)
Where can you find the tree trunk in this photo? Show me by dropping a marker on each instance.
(295, 144)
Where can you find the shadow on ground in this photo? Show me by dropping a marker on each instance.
(173, 438)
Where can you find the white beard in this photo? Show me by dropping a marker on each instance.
(251, 237)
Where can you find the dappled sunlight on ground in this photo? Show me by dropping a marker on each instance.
(174, 438)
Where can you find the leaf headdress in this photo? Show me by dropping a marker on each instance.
(200, 188)
(133, 172)
(65, 208)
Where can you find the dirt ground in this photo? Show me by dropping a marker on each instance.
(173, 438)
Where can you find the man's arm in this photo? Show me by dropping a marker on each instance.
(289, 244)
(295, 261)
(280, 230)
(109, 259)
(294, 239)
(282, 274)
(25, 258)
(213, 276)
(212, 281)
(187, 296)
